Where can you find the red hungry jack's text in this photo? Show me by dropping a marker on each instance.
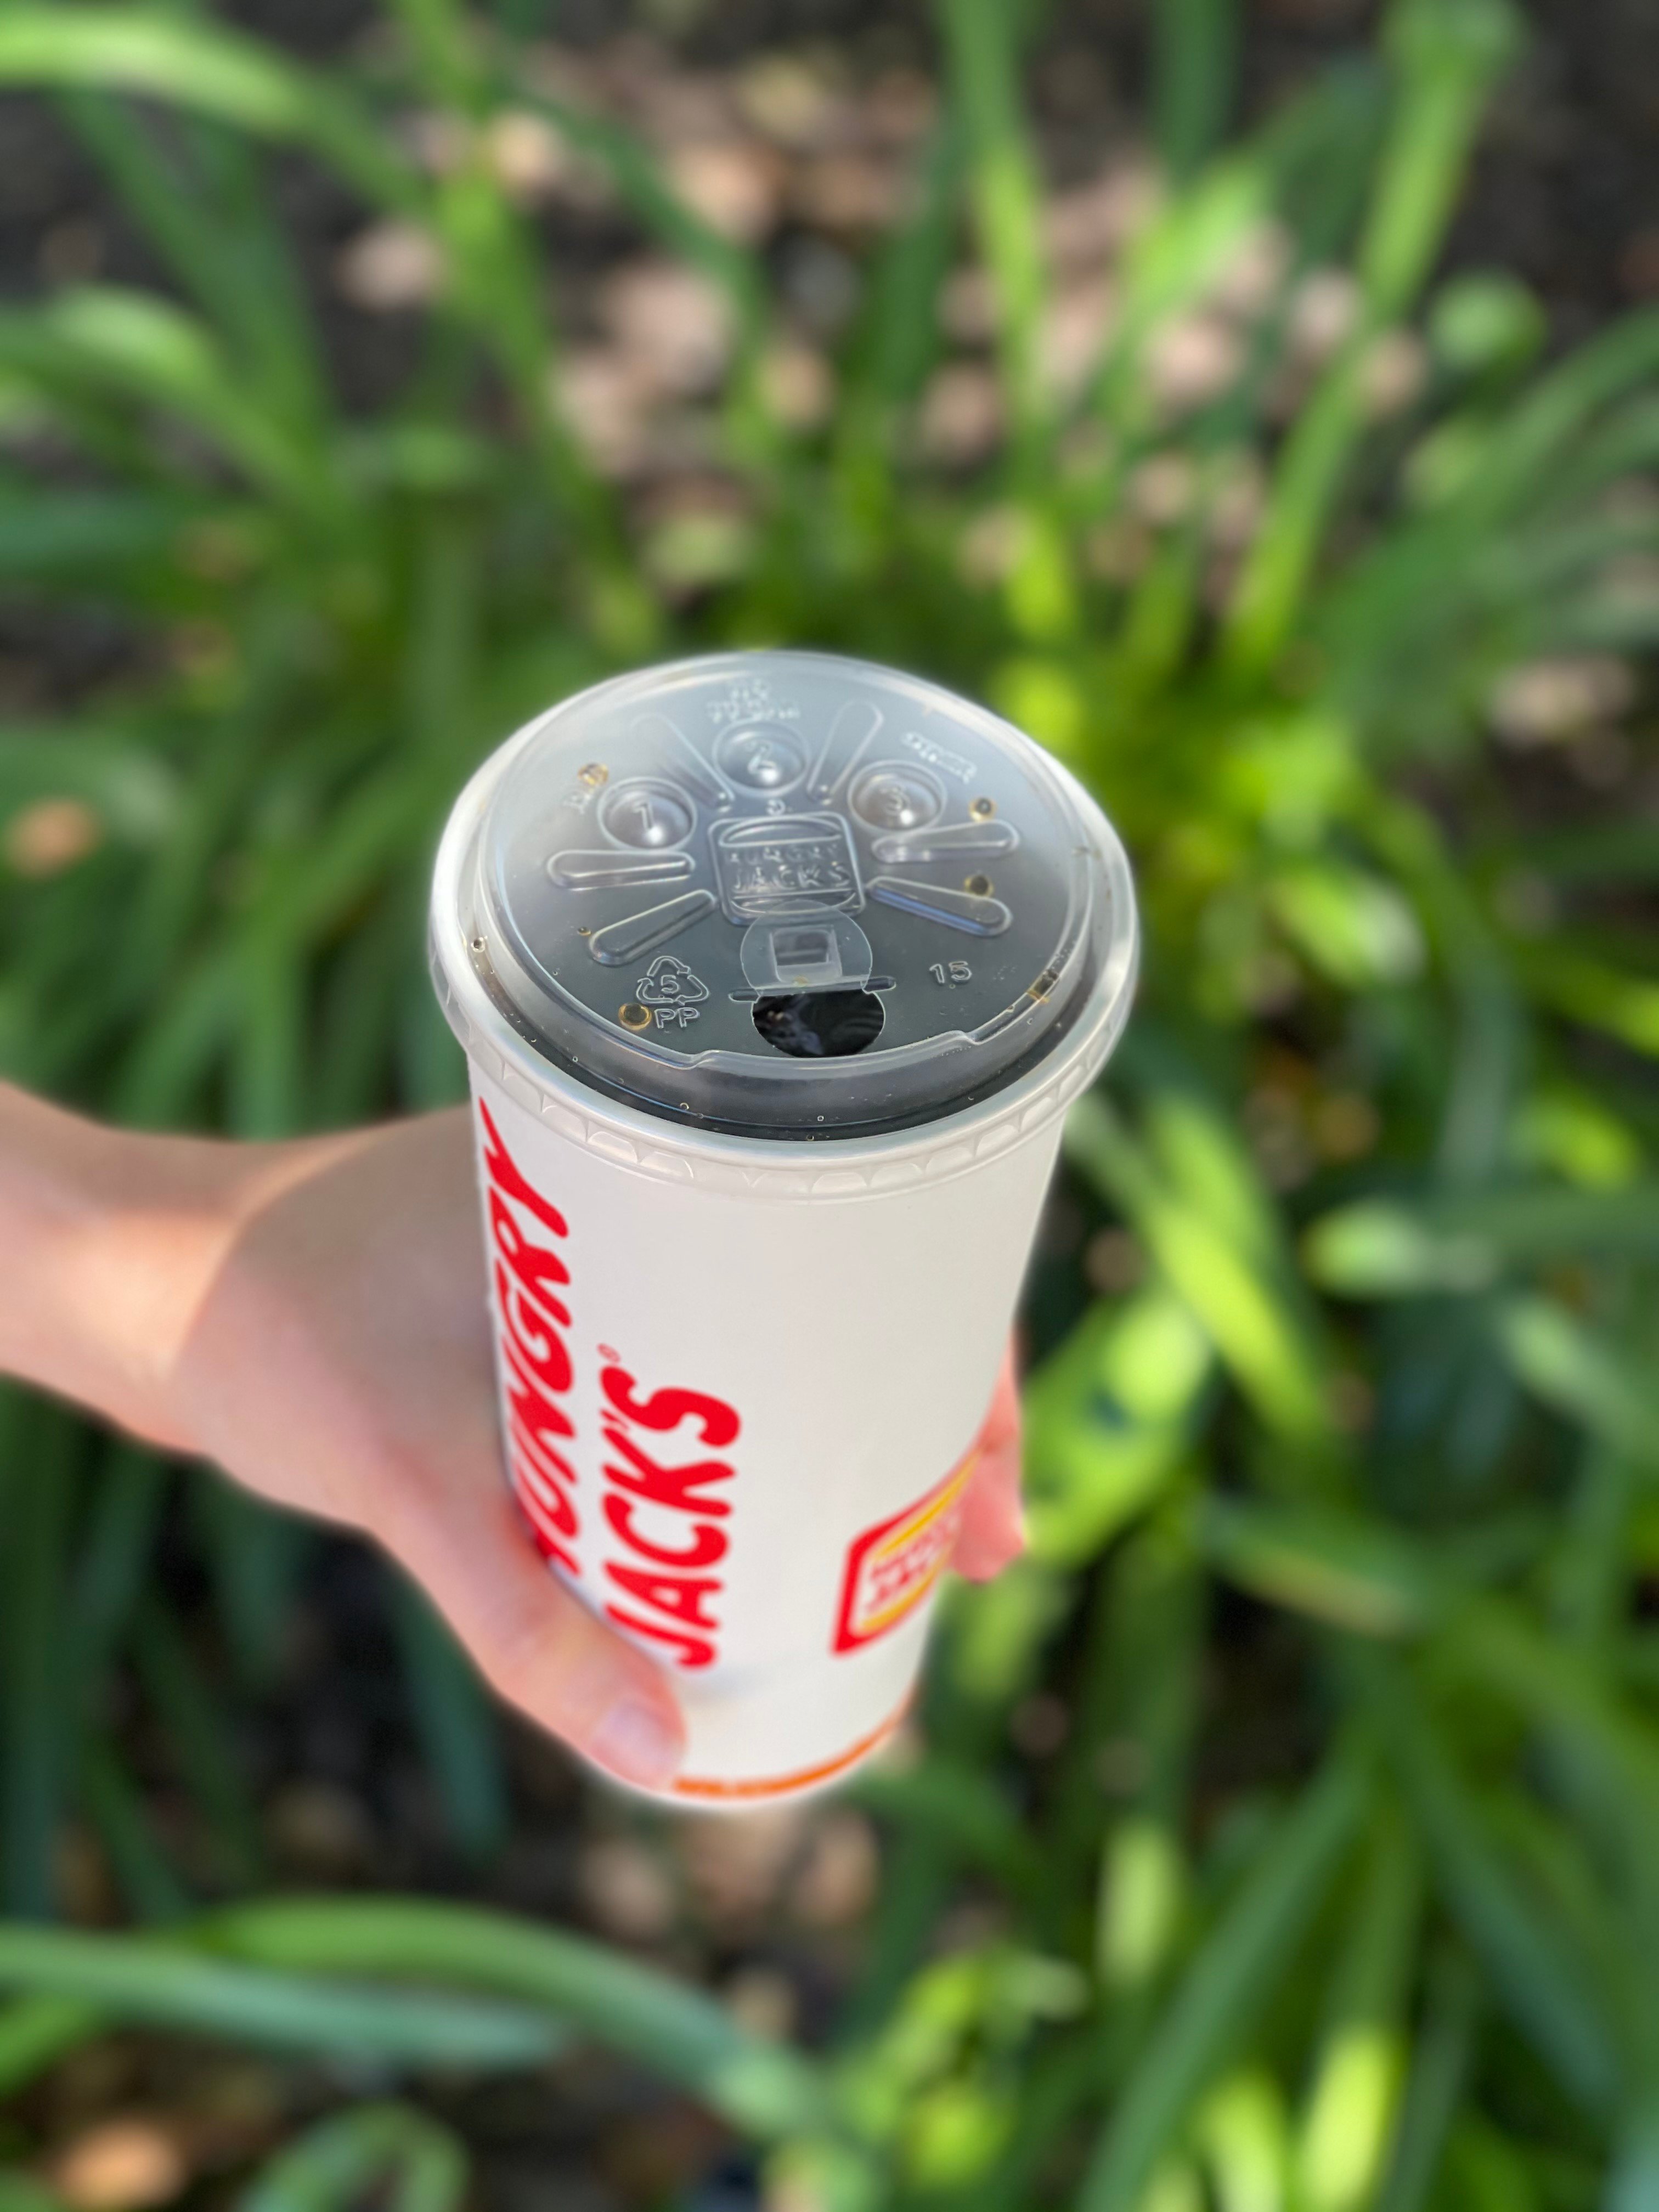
(670, 1588)
(536, 1370)
(665, 1471)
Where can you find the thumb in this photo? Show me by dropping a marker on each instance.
(539, 1646)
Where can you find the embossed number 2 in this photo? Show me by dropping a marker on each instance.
(957, 972)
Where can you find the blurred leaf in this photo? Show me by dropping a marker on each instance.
(21, 2192)
(456, 1723)
(201, 1738)
(137, 347)
(222, 244)
(1446, 57)
(1352, 926)
(1352, 1574)
(1633, 2184)
(1439, 2068)
(1195, 58)
(132, 788)
(1389, 1247)
(35, 2033)
(133, 1979)
(1538, 1979)
(142, 1872)
(1483, 320)
(39, 1459)
(1108, 1419)
(1571, 1131)
(1250, 1947)
(201, 65)
(72, 536)
(405, 2157)
(1600, 995)
(981, 40)
(1348, 2123)
(966, 1809)
(1243, 2134)
(1573, 1369)
(1247, 1314)
(1142, 1902)
(677, 2031)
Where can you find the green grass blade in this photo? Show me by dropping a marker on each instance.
(1109, 1420)
(143, 1874)
(202, 1739)
(136, 347)
(1246, 1313)
(982, 47)
(227, 264)
(165, 1985)
(1348, 2124)
(1194, 66)
(65, 538)
(211, 69)
(898, 339)
(1593, 1566)
(1250, 1948)
(671, 219)
(35, 2033)
(1354, 1573)
(391, 2148)
(675, 2030)
(1595, 991)
(1449, 53)
(965, 1810)
(256, 1554)
(1405, 1248)
(1575, 1369)
(265, 1078)
(1446, 57)
(1634, 2183)
(1440, 2064)
(36, 1737)
(1525, 1958)
(457, 1724)
(21, 2192)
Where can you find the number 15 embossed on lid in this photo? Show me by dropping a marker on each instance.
(787, 895)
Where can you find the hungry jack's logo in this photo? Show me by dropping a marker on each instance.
(662, 1500)
(892, 1567)
(534, 1325)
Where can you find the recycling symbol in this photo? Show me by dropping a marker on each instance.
(672, 992)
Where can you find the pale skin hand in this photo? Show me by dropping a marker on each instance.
(310, 1317)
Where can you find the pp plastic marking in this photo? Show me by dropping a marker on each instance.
(892, 1567)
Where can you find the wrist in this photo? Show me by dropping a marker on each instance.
(112, 1239)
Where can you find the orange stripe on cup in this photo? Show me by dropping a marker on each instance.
(779, 1785)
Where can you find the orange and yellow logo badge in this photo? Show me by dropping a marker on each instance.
(892, 1567)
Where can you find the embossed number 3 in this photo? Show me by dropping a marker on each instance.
(957, 972)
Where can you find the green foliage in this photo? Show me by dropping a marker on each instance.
(1372, 1179)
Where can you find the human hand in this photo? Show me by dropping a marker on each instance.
(311, 1316)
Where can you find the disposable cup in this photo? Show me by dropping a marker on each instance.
(775, 973)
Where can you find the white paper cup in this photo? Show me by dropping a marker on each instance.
(750, 1305)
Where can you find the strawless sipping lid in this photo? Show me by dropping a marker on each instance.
(790, 895)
